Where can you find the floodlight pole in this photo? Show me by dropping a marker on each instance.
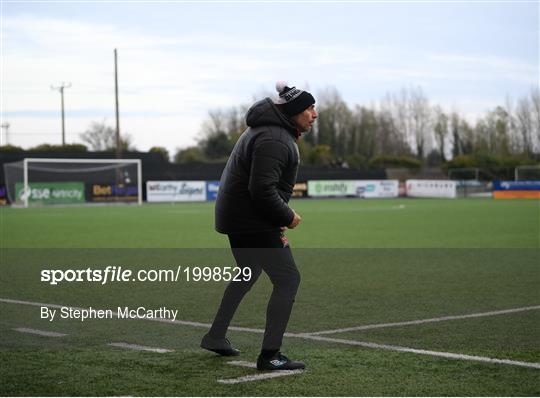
(5, 126)
(61, 89)
(26, 191)
(118, 148)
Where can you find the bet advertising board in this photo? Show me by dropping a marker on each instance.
(104, 193)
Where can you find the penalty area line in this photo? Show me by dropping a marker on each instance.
(442, 354)
(140, 347)
(40, 332)
(421, 321)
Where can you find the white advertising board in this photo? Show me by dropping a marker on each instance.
(431, 188)
(360, 188)
(319, 188)
(175, 191)
(377, 188)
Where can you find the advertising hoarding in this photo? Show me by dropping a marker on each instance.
(431, 188)
(354, 188)
(3, 196)
(516, 189)
(48, 193)
(322, 188)
(516, 185)
(112, 193)
(512, 194)
(176, 191)
(212, 188)
(377, 189)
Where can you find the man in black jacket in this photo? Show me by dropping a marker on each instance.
(252, 209)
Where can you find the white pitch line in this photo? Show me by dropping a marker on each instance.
(255, 377)
(441, 354)
(261, 376)
(245, 364)
(309, 336)
(421, 321)
(140, 347)
(40, 332)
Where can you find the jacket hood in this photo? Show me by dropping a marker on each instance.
(265, 112)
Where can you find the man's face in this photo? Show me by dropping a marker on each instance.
(304, 121)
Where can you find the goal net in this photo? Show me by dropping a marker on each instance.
(41, 182)
(527, 173)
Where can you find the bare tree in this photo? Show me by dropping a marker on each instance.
(456, 139)
(334, 122)
(214, 124)
(420, 119)
(535, 107)
(395, 117)
(101, 137)
(498, 132)
(363, 140)
(525, 124)
(221, 130)
(441, 131)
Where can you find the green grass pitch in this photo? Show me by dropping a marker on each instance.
(363, 262)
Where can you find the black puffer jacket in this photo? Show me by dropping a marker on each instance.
(259, 177)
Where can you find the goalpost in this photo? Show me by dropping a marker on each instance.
(527, 173)
(47, 181)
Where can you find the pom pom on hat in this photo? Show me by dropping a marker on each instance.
(281, 85)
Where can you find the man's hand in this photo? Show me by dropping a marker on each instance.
(296, 220)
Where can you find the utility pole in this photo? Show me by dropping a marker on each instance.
(5, 126)
(61, 89)
(118, 148)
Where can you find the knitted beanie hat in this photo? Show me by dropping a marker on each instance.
(292, 100)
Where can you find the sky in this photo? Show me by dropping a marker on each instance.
(179, 60)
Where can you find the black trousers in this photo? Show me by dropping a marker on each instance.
(266, 252)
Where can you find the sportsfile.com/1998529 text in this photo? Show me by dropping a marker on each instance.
(121, 274)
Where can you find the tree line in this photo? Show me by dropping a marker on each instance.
(404, 129)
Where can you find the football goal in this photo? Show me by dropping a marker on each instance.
(527, 173)
(42, 181)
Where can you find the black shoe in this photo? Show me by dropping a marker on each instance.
(221, 347)
(278, 362)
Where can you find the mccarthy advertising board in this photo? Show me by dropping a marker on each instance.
(175, 191)
(51, 193)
